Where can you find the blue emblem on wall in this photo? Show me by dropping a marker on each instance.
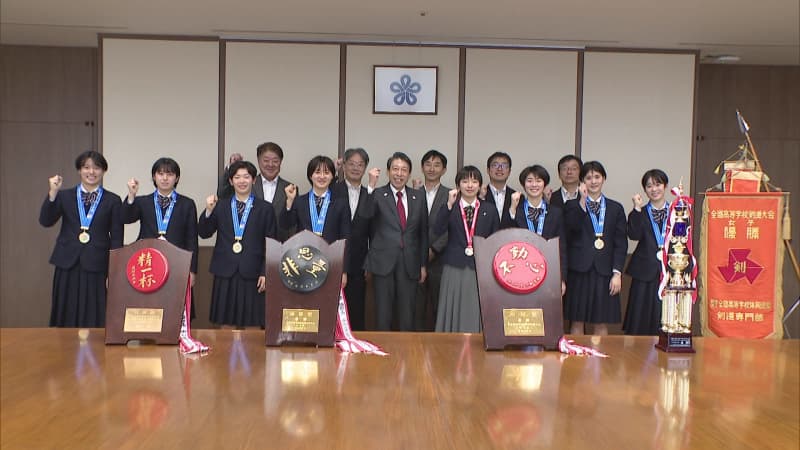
(405, 91)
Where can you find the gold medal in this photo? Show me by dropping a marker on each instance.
(237, 247)
(599, 244)
(659, 255)
(84, 237)
(161, 236)
(468, 251)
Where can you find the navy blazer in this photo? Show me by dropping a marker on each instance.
(106, 230)
(260, 225)
(389, 239)
(450, 220)
(224, 189)
(337, 222)
(553, 227)
(581, 254)
(643, 264)
(358, 241)
(182, 228)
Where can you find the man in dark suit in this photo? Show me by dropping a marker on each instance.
(434, 166)
(268, 186)
(354, 165)
(497, 192)
(569, 169)
(399, 249)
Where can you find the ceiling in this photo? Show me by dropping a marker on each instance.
(757, 31)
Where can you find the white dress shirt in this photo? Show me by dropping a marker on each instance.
(269, 188)
(405, 198)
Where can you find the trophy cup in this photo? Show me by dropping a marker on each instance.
(677, 288)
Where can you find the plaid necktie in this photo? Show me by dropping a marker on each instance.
(318, 200)
(594, 206)
(163, 201)
(88, 198)
(659, 215)
(534, 213)
(470, 213)
(240, 208)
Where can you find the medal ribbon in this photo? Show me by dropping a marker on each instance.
(238, 228)
(163, 222)
(318, 220)
(659, 234)
(471, 230)
(86, 218)
(598, 221)
(539, 228)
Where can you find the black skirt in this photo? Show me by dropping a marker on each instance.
(587, 299)
(643, 315)
(79, 298)
(236, 301)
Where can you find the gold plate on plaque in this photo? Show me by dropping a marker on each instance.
(523, 322)
(143, 320)
(300, 321)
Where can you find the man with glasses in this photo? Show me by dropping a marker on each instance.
(352, 167)
(498, 167)
(569, 170)
(268, 185)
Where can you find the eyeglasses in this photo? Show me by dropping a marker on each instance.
(499, 165)
(355, 165)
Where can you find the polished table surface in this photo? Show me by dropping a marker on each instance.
(65, 390)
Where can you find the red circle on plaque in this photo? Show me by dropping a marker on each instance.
(519, 267)
(147, 270)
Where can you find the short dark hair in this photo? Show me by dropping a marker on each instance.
(592, 166)
(96, 157)
(656, 175)
(537, 171)
(269, 147)
(356, 151)
(401, 156)
(241, 164)
(567, 158)
(167, 165)
(498, 155)
(468, 172)
(430, 154)
(320, 161)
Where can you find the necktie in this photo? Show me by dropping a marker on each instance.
(470, 213)
(534, 213)
(318, 200)
(88, 198)
(594, 206)
(401, 210)
(240, 208)
(163, 201)
(659, 215)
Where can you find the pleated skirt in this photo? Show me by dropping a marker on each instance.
(79, 298)
(643, 314)
(236, 301)
(459, 306)
(587, 299)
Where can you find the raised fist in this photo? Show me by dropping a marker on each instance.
(55, 183)
(451, 198)
(416, 183)
(374, 174)
(638, 202)
(235, 157)
(291, 192)
(515, 198)
(211, 202)
(133, 187)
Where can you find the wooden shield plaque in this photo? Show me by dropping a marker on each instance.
(147, 283)
(519, 284)
(303, 279)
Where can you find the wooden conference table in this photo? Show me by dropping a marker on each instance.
(433, 391)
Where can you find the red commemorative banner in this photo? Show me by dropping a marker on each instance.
(741, 264)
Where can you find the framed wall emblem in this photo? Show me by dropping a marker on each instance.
(405, 89)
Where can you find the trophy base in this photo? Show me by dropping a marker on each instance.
(674, 342)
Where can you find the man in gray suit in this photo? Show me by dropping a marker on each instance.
(434, 166)
(268, 186)
(398, 250)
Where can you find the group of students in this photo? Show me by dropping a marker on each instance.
(415, 242)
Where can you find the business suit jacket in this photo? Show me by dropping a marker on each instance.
(224, 189)
(643, 265)
(450, 220)
(437, 241)
(506, 201)
(106, 230)
(358, 241)
(553, 227)
(581, 254)
(389, 239)
(337, 221)
(260, 225)
(182, 229)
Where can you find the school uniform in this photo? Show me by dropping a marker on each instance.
(590, 269)
(553, 227)
(79, 281)
(643, 315)
(337, 220)
(459, 305)
(235, 299)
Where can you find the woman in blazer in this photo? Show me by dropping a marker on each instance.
(90, 227)
(646, 224)
(165, 213)
(597, 246)
(464, 217)
(330, 217)
(241, 223)
(537, 215)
